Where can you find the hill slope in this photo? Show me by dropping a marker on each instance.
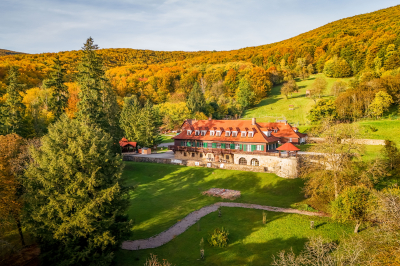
(4, 52)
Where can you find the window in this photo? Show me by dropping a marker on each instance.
(212, 132)
(227, 157)
(209, 145)
(254, 162)
(227, 133)
(244, 134)
(193, 154)
(234, 133)
(237, 146)
(184, 143)
(218, 145)
(259, 147)
(290, 139)
(242, 161)
(218, 133)
(275, 130)
(184, 154)
(251, 134)
(189, 132)
(201, 155)
(196, 133)
(203, 132)
(228, 146)
(249, 148)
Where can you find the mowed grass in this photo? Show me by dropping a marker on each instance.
(165, 194)
(167, 138)
(385, 129)
(276, 106)
(250, 241)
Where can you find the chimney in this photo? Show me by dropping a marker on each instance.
(253, 121)
(210, 118)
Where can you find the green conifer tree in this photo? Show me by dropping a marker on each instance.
(129, 119)
(75, 201)
(59, 98)
(13, 108)
(196, 101)
(90, 78)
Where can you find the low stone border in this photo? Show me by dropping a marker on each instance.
(193, 217)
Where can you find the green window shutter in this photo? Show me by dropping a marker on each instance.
(232, 146)
(181, 143)
(262, 147)
(204, 144)
(214, 145)
(198, 144)
(244, 147)
(253, 147)
(240, 146)
(222, 145)
(188, 144)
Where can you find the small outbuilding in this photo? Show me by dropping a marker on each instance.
(127, 146)
(289, 148)
(146, 150)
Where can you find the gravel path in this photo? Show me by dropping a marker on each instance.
(192, 218)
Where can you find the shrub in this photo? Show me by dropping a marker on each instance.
(219, 238)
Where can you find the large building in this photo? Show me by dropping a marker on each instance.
(243, 142)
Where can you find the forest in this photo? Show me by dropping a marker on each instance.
(364, 46)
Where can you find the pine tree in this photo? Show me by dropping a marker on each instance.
(59, 98)
(196, 101)
(76, 202)
(90, 78)
(97, 104)
(141, 124)
(13, 108)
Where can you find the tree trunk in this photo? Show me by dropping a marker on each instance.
(357, 226)
(20, 231)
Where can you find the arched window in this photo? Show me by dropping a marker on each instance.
(255, 162)
(242, 161)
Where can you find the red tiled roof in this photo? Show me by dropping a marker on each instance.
(287, 147)
(124, 142)
(284, 130)
(224, 125)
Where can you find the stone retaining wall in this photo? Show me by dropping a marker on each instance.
(282, 169)
(358, 141)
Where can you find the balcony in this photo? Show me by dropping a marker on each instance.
(220, 151)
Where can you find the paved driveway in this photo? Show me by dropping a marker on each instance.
(164, 155)
(165, 144)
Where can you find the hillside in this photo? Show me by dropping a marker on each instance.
(4, 52)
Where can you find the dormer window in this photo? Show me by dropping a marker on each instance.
(275, 130)
(197, 132)
(251, 134)
(203, 132)
(243, 134)
(212, 132)
(227, 134)
(234, 133)
(189, 132)
(218, 133)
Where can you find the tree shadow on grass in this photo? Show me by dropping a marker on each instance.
(167, 193)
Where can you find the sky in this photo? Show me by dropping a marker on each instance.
(38, 26)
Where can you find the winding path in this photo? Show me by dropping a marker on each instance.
(192, 218)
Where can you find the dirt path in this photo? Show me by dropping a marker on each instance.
(192, 218)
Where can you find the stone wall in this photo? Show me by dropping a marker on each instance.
(358, 141)
(283, 167)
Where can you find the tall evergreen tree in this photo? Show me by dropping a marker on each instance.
(76, 202)
(141, 124)
(97, 104)
(59, 98)
(90, 77)
(13, 108)
(196, 101)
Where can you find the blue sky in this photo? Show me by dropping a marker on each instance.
(35, 26)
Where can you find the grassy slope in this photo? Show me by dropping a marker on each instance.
(276, 106)
(167, 193)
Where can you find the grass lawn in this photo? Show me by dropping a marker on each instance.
(250, 241)
(167, 138)
(276, 106)
(165, 194)
(385, 129)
